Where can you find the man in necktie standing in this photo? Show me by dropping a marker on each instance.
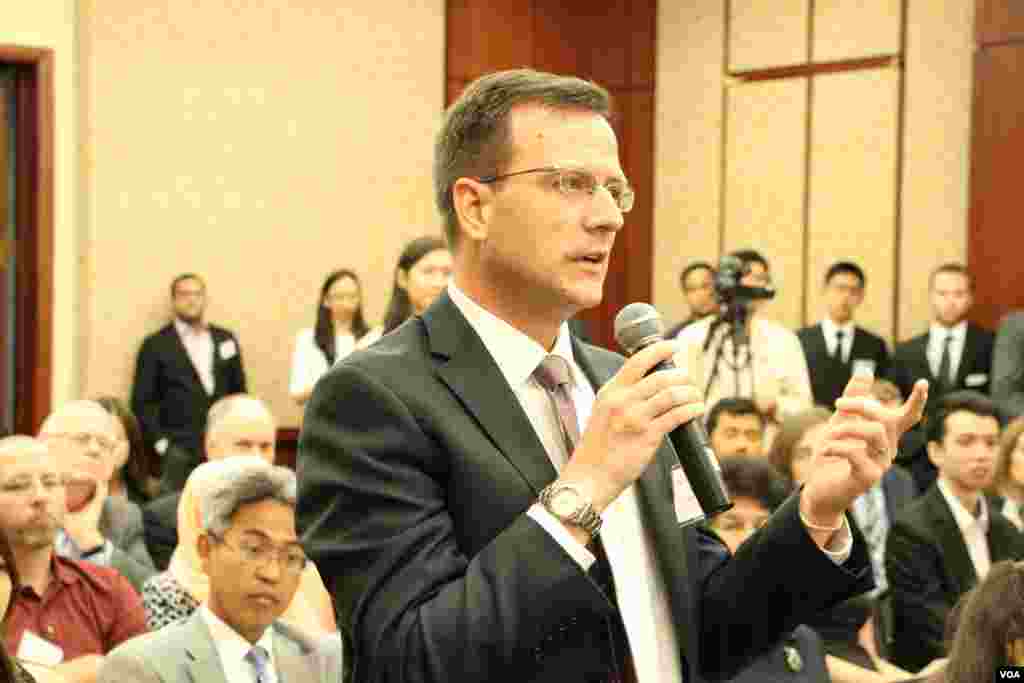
(180, 372)
(252, 556)
(488, 498)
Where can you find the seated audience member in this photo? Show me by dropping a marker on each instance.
(846, 629)
(770, 369)
(254, 566)
(237, 425)
(1008, 366)
(953, 354)
(735, 427)
(175, 594)
(942, 543)
(11, 670)
(698, 283)
(106, 530)
(1009, 480)
(339, 327)
(423, 270)
(136, 473)
(66, 614)
(989, 632)
(836, 346)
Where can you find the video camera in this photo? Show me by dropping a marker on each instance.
(728, 289)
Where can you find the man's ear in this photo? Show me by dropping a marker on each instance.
(935, 453)
(473, 201)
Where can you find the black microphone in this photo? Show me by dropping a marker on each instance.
(637, 326)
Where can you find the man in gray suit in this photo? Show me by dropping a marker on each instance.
(98, 528)
(252, 555)
(1008, 366)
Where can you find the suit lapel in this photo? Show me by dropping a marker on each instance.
(179, 348)
(203, 662)
(954, 548)
(468, 370)
(967, 356)
(820, 343)
(921, 358)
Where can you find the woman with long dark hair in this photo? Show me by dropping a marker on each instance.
(339, 327)
(136, 471)
(422, 273)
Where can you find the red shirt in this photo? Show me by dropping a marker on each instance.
(85, 610)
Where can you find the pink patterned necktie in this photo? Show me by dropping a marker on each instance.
(554, 375)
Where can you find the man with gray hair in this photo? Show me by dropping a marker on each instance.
(102, 529)
(252, 556)
(239, 424)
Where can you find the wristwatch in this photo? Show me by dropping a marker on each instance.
(569, 504)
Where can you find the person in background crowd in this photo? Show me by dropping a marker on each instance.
(913, 452)
(1008, 366)
(103, 529)
(836, 346)
(136, 467)
(953, 354)
(736, 427)
(698, 283)
(253, 566)
(238, 424)
(340, 325)
(11, 670)
(66, 614)
(175, 594)
(1008, 484)
(423, 270)
(180, 372)
(944, 542)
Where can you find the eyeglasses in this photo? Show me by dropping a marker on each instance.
(83, 439)
(574, 182)
(25, 486)
(291, 560)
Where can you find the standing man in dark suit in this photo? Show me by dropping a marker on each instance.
(180, 372)
(835, 345)
(488, 498)
(953, 354)
(944, 542)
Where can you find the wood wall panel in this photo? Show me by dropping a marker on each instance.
(852, 30)
(765, 183)
(767, 34)
(488, 36)
(996, 239)
(852, 187)
(999, 21)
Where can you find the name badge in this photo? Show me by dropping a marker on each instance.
(228, 349)
(688, 510)
(39, 650)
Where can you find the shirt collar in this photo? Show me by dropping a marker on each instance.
(516, 354)
(231, 646)
(830, 327)
(964, 519)
(938, 332)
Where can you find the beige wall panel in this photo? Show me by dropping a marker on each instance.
(936, 149)
(51, 24)
(852, 192)
(765, 34)
(851, 30)
(764, 183)
(260, 145)
(688, 144)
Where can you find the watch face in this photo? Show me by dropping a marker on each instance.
(565, 502)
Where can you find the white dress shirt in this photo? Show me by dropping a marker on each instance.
(309, 363)
(974, 529)
(829, 329)
(199, 344)
(937, 340)
(639, 584)
(232, 649)
(1011, 510)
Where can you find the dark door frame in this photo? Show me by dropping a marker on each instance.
(34, 206)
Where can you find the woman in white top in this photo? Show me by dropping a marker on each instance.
(339, 326)
(423, 270)
(1009, 479)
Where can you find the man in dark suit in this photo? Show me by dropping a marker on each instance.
(480, 511)
(944, 542)
(180, 372)
(836, 345)
(698, 283)
(954, 354)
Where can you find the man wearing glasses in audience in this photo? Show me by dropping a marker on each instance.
(66, 614)
(102, 529)
(252, 556)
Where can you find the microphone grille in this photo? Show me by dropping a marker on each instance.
(638, 325)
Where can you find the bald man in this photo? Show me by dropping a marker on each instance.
(101, 529)
(239, 424)
(68, 613)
